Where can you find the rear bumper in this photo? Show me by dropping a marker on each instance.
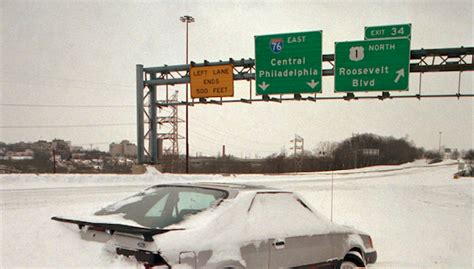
(149, 258)
(371, 257)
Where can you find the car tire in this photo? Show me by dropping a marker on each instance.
(352, 260)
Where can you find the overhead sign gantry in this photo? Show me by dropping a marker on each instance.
(292, 64)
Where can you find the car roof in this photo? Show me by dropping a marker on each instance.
(240, 187)
(232, 188)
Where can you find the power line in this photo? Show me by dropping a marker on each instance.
(65, 86)
(100, 143)
(213, 140)
(68, 106)
(240, 146)
(202, 150)
(92, 143)
(64, 126)
(232, 136)
(11, 74)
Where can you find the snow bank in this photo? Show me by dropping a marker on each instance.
(151, 171)
(41, 181)
(418, 217)
(154, 177)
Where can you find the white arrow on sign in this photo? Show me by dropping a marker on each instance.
(400, 73)
(312, 83)
(264, 85)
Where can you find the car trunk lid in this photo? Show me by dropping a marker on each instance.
(111, 228)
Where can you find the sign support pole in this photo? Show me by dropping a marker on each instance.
(140, 121)
(153, 149)
(187, 106)
(187, 19)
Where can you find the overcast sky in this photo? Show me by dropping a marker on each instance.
(83, 53)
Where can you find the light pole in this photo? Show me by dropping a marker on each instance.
(439, 145)
(187, 19)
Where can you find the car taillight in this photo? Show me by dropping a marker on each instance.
(149, 259)
(97, 229)
(371, 245)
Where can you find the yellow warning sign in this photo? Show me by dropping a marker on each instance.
(212, 81)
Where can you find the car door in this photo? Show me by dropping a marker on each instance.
(301, 252)
(293, 238)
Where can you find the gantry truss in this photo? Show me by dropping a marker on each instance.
(149, 78)
(170, 123)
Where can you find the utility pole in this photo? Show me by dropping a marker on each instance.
(439, 144)
(54, 161)
(294, 146)
(187, 19)
(332, 192)
(332, 186)
(354, 151)
(298, 152)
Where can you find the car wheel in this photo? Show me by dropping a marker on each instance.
(352, 260)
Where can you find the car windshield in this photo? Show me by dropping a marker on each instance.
(162, 206)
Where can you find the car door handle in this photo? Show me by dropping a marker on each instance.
(279, 244)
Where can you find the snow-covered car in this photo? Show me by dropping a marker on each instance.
(224, 226)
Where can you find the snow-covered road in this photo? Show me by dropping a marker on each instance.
(418, 215)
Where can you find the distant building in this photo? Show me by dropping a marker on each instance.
(60, 144)
(20, 155)
(200, 161)
(76, 149)
(449, 153)
(2, 154)
(62, 148)
(41, 146)
(124, 148)
(78, 155)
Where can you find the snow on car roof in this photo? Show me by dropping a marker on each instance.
(235, 186)
(232, 187)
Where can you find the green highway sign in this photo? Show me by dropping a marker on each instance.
(288, 63)
(388, 31)
(372, 65)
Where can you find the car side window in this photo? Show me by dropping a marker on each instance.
(157, 209)
(162, 206)
(194, 200)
